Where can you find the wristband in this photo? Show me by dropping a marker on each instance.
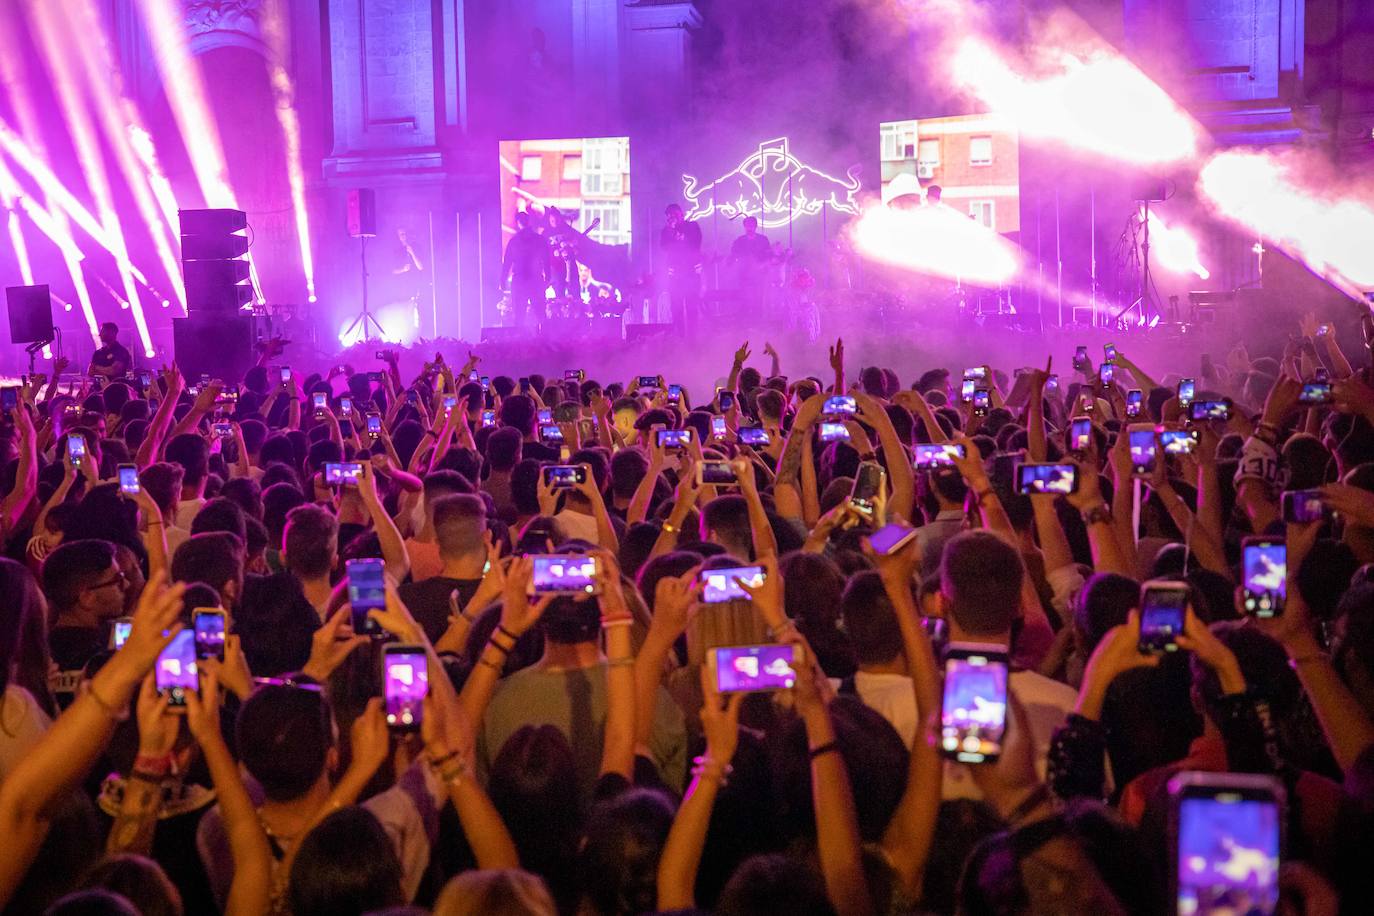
(706, 768)
(493, 644)
(504, 632)
(156, 765)
(827, 748)
(869, 456)
(625, 621)
(483, 660)
(621, 662)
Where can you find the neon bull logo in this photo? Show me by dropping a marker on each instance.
(772, 185)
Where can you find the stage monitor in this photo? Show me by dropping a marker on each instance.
(586, 178)
(973, 159)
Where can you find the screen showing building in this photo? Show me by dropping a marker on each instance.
(587, 179)
(972, 158)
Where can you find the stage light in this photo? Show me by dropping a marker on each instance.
(311, 298)
(935, 240)
(1091, 98)
(274, 26)
(1294, 201)
(1174, 248)
(166, 303)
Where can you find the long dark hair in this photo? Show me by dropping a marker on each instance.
(23, 635)
(346, 865)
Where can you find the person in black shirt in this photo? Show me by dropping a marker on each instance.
(112, 360)
(86, 590)
(681, 244)
(460, 525)
(750, 255)
(526, 268)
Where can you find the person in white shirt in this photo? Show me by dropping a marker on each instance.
(882, 681)
(980, 597)
(193, 454)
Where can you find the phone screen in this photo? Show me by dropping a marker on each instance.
(1178, 441)
(320, 399)
(1105, 373)
(488, 417)
(1301, 507)
(120, 634)
(981, 398)
(1080, 435)
(128, 479)
(840, 405)
(868, 482)
(76, 449)
(564, 476)
(967, 388)
(744, 669)
(674, 393)
(889, 538)
(973, 717)
(366, 592)
(1185, 391)
(754, 435)
(1080, 357)
(674, 438)
(1315, 393)
(1162, 611)
(926, 456)
(374, 425)
(406, 682)
(725, 399)
(1109, 350)
(549, 432)
(343, 473)
(9, 398)
(718, 428)
(834, 432)
(1143, 452)
(176, 668)
(286, 373)
(717, 472)
(723, 584)
(346, 405)
(208, 625)
(977, 372)
(1228, 853)
(560, 574)
(1209, 410)
(545, 415)
(1134, 399)
(1266, 577)
(1046, 478)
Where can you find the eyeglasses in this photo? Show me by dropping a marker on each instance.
(119, 579)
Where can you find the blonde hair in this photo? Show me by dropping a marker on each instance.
(730, 623)
(495, 892)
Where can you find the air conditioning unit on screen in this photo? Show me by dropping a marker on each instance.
(925, 170)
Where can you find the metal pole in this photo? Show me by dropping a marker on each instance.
(457, 270)
(1092, 243)
(433, 287)
(481, 298)
(1059, 260)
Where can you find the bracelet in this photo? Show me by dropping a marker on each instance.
(104, 706)
(706, 768)
(514, 638)
(438, 762)
(1298, 660)
(785, 628)
(1098, 513)
(621, 662)
(625, 621)
(981, 495)
(869, 456)
(670, 528)
(493, 644)
(827, 748)
(482, 660)
(454, 775)
(154, 764)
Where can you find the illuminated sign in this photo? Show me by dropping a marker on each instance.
(772, 185)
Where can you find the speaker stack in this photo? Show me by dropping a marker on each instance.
(216, 336)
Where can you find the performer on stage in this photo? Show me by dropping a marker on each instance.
(526, 269)
(562, 240)
(680, 241)
(750, 255)
(112, 360)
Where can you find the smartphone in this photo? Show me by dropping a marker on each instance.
(935, 455)
(1080, 358)
(544, 415)
(523, 384)
(485, 382)
(1080, 435)
(1105, 373)
(868, 486)
(1109, 351)
(648, 381)
(1186, 389)
(574, 375)
(223, 430)
(966, 389)
(976, 372)
(450, 401)
(723, 584)
(673, 438)
(718, 473)
(1046, 478)
(937, 631)
(366, 592)
(982, 398)
(550, 433)
(376, 377)
(754, 435)
(374, 425)
(145, 378)
(840, 405)
(321, 402)
(1135, 400)
(343, 473)
(1179, 441)
(405, 682)
(128, 479)
(1227, 833)
(1320, 374)
(973, 714)
(1144, 449)
(76, 449)
(1315, 393)
(119, 633)
(674, 394)
(718, 427)
(285, 374)
(346, 405)
(9, 397)
(1052, 383)
(834, 432)
(753, 669)
(891, 538)
(1163, 607)
(1301, 507)
(176, 671)
(1264, 580)
(208, 625)
(412, 396)
(488, 417)
(564, 574)
(564, 476)
(1209, 410)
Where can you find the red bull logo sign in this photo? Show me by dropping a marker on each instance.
(773, 186)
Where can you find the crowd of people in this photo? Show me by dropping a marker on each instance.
(578, 749)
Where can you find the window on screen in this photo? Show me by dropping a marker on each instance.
(531, 168)
(980, 151)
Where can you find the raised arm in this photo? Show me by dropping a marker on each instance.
(644, 493)
(899, 472)
(25, 489)
(683, 501)
(605, 531)
(837, 364)
(677, 865)
(518, 614)
(741, 355)
(388, 535)
(787, 486)
(1098, 517)
(1035, 411)
(151, 448)
(775, 369)
(765, 544)
(154, 533)
(618, 750)
(199, 408)
(674, 599)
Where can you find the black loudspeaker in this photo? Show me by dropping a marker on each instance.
(212, 260)
(362, 213)
(220, 346)
(30, 310)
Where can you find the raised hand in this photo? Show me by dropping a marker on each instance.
(675, 599)
(331, 644)
(369, 738)
(837, 355)
(518, 613)
(202, 708)
(156, 621)
(742, 354)
(720, 725)
(157, 731)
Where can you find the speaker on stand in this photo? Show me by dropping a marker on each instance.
(30, 313)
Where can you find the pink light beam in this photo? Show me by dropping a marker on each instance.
(274, 25)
